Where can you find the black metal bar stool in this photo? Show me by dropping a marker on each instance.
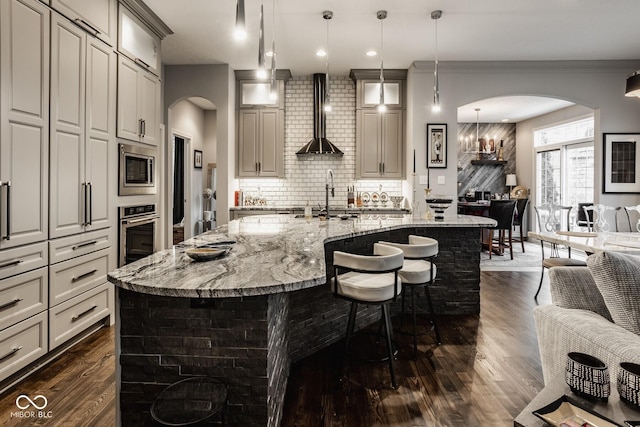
(193, 401)
(418, 270)
(369, 280)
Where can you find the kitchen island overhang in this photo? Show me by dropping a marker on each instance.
(246, 317)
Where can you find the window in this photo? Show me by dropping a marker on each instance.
(565, 164)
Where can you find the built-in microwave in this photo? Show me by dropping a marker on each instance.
(137, 170)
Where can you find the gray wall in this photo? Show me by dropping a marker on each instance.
(596, 84)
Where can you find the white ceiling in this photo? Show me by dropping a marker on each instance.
(511, 109)
(469, 30)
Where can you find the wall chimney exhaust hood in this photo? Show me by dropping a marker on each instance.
(319, 144)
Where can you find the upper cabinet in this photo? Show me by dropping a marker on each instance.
(97, 17)
(380, 137)
(24, 122)
(138, 42)
(260, 126)
(138, 103)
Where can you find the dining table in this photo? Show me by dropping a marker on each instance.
(591, 242)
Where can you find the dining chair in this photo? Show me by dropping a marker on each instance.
(518, 220)
(503, 212)
(550, 218)
(599, 218)
(633, 226)
(584, 218)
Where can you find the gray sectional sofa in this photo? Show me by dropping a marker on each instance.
(595, 310)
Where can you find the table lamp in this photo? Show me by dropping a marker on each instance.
(511, 181)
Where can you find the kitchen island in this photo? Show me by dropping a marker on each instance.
(246, 317)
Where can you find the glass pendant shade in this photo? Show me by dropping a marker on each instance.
(381, 15)
(240, 31)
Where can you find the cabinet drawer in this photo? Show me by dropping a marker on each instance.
(23, 296)
(22, 259)
(78, 275)
(73, 316)
(80, 244)
(22, 344)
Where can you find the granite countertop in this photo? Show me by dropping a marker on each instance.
(272, 254)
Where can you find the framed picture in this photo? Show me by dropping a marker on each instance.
(197, 159)
(436, 146)
(621, 163)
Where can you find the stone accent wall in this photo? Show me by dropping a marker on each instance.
(278, 362)
(305, 176)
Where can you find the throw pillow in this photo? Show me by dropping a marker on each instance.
(617, 276)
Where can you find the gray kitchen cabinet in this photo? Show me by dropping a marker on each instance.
(138, 103)
(380, 137)
(82, 129)
(24, 122)
(137, 41)
(97, 17)
(260, 142)
(379, 144)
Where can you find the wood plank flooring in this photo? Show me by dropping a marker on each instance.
(484, 373)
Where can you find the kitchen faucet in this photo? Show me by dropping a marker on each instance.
(326, 189)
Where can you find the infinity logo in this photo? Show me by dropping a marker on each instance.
(30, 402)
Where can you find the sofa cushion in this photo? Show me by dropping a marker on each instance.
(617, 276)
(574, 287)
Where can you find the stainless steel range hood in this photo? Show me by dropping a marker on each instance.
(319, 144)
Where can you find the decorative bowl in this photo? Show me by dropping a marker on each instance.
(206, 254)
(588, 376)
(629, 383)
(397, 200)
(439, 204)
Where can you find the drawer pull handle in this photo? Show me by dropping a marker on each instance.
(84, 313)
(10, 303)
(85, 25)
(82, 276)
(10, 263)
(82, 245)
(13, 351)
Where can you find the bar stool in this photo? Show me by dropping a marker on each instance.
(193, 401)
(369, 280)
(418, 270)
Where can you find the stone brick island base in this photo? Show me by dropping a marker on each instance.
(249, 342)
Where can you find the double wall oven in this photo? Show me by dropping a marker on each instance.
(139, 232)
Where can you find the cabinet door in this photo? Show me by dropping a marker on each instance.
(369, 144)
(100, 122)
(99, 17)
(392, 143)
(149, 102)
(248, 131)
(138, 42)
(24, 121)
(128, 119)
(271, 145)
(68, 50)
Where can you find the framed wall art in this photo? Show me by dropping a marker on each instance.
(621, 163)
(197, 159)
(436, 146)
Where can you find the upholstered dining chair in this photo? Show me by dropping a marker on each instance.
(629, 210)
(518, 220)
(370, 280)
(503, 212)
(551, 218)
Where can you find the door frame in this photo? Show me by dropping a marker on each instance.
(188, 223)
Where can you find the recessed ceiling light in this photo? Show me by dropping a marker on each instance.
(269, 54)
(505, 120)
(371, 53)
(321, 52)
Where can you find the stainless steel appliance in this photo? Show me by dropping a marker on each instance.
(137, 170)
(139, 232)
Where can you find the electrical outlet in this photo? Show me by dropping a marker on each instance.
(424, 179)
(441, 179)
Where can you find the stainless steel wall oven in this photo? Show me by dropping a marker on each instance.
(139, 232)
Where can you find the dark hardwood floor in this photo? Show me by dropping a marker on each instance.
(484, 373)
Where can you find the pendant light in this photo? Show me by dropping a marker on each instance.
(273, 92)
(381, 15)
(435, 15)
(477, 134)
(240, 32)
(633, 85)
(262, 72)
(327, 15)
